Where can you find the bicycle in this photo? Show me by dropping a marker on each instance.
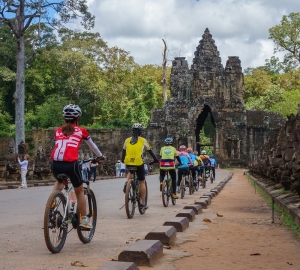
(60, 212)
(132, 194)
(211, 176)
(184, 181)
(191, 182)
(203, 178)
(167, 190)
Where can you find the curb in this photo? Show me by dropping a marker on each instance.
(284, 201)
(148, 251)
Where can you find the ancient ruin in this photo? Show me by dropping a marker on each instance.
(204, 89)
(279, 160)
(207, 88)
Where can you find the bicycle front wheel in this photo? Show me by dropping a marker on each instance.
(142, 210)
(55, 230)
(130, 200)
(165, 193)
(86, 235)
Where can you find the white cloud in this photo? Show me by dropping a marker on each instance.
(240, 27)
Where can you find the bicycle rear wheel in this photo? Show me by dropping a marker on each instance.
(182, 187)
(143, 210)
(165, 193)
(203, 180)
(191, 184)
(86, 235)
(130, 200)
(55, 231)
(196, 185)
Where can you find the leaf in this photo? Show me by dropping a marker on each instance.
(219, 215)
(255, 254)
(78, 263)
(206, 220)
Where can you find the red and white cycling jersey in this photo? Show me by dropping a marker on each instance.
(67, 147)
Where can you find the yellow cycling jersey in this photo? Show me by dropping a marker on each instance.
(135, 151)
(168, 154)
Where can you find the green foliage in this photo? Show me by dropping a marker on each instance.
(5, 124)
(49, 114)
(286, 36)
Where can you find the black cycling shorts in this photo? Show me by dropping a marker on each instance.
(73, 169)
(140, 172)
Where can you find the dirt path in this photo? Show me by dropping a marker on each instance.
(244, 237)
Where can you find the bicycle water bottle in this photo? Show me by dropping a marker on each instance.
(72, 198)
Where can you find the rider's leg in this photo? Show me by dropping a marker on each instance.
(194, 173)
(143, 191)
(173, 176)
(81, 202)
(162, 174)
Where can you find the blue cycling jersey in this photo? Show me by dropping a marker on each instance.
(193, 157)
(184, 161)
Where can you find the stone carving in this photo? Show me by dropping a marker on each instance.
(279, 159)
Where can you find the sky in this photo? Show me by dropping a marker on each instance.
(239, 27)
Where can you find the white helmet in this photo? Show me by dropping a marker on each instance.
(71, 112)
(203, 152)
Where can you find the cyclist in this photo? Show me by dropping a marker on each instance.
(213, 165)
(195, 160)
(183, 168)
(198, 163)
(206, 162)
(168, 154)
(132, 155)
(65, 156)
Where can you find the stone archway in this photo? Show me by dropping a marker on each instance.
(200, 121)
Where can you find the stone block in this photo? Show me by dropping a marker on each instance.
(165, 234)
(180, 223)
(196, 207)
(3, 187)
(119, 266)
(39, 184)
(209, 194)
(188, 213)
(207, 198)
(143, 252)
(215, 191)
(12, 186)
(202, 202)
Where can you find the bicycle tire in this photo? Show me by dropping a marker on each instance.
(55, 235)
(197, 183)
(165, 193)
(182, 188)
(203, 180)
(142, 211)
(130, 200)
(190, 184)
(172, 199)
(86, 235)
(211, 177)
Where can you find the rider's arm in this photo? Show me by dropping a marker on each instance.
(93, 147)
(153, 155)
(123, 155)
(179, 161)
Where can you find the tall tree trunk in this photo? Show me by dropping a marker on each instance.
(19, 95)
(164, 67)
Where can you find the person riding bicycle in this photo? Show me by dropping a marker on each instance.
(213, 166)
(168, 153)
(206, 162)
(195, 160)
(198, 163)
(186, 162)
(132, 155)
(64, 156)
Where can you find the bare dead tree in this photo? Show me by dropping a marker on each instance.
(164, 71)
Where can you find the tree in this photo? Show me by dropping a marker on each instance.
(286, 36)
(164, 64)
(19, 16)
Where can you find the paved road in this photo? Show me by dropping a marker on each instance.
(22, 244)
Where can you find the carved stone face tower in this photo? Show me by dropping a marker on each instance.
(209, 88)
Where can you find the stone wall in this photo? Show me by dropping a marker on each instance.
(279, 159)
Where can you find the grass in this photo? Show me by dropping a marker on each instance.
(286, 219)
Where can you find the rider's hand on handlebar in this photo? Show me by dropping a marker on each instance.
(99, 159)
